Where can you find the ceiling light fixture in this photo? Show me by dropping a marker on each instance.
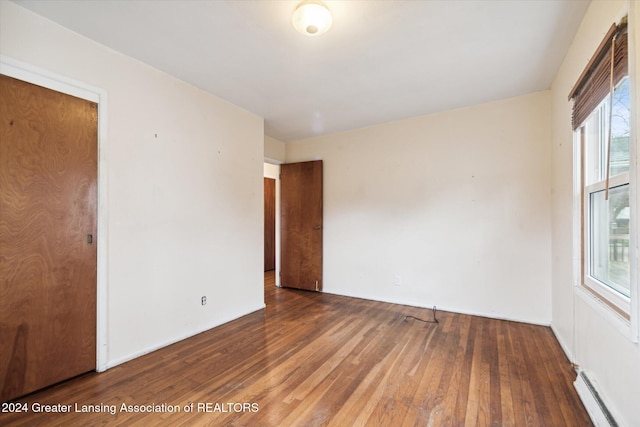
(312, 18)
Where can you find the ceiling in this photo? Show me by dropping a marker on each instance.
(381, 60)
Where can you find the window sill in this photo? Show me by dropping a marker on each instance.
(616, 320)
(615, 300)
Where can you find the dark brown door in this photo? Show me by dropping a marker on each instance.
(269, 224)
(48, 171)
(301, 225)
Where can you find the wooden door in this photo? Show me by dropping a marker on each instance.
(269, 224)
(48, 171)
(301, 225)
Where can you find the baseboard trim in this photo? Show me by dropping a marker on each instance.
(444, 308)
(563, 344)
(174, 340)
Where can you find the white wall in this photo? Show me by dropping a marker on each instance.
(457, 204)
(271, 171)
(184, 213)
(582, 326)
(274, 150)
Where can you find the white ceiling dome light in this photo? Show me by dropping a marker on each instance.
(312, 18)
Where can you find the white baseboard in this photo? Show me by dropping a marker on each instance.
(113, 363)
(563, 344)
(443, 308)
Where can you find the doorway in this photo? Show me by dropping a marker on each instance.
(28, 73)
(299, 224)
(271, 177)
(302, 225)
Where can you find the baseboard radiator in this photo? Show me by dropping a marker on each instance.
(592, 401)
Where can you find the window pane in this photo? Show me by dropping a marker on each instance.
(620, 129)
(594, 154)
(609, 229)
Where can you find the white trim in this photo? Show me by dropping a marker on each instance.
(614, 181)
(273, 161)
(179, 338)
(634, 172)
(13, 68)
(577, 234)
(47, 79)
(277, 237)
(614, 297)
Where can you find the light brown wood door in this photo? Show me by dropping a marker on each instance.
(269, 224)
(48, 171)
(301, 225)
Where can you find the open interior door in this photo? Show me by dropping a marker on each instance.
(301, 225)
(269, 224)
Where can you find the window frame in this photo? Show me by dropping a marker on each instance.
(614, 299)
(621, 311)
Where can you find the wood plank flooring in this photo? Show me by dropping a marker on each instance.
(312, 359)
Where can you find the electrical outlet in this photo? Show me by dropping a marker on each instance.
(203, 300)
(398, 280)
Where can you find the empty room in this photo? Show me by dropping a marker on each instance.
(319, 213)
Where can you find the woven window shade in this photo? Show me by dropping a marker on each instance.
(593, 85)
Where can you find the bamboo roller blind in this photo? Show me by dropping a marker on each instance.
(593, 85)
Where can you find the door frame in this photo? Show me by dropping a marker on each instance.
(38, 76)
(276, 163)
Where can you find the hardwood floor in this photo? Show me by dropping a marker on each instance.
(312, 359)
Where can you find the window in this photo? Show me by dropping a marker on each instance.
(601, 121)
(606, 261)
